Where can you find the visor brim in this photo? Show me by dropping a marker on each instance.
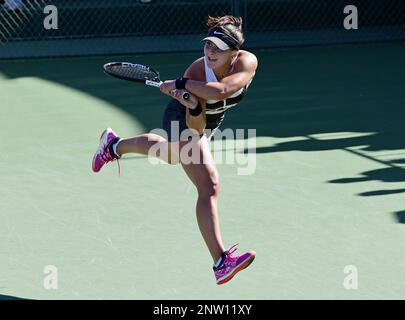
(218, 42)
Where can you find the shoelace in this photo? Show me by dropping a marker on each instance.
(226, 254)
(232, 250)
(107, 157)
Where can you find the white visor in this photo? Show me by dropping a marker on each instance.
(218, 42)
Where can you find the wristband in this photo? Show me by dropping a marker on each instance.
(196, 111)
(181, 83)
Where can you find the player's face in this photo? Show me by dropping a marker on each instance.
(216, 58)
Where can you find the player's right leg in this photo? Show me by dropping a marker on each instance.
(149, 144)
(112, 147)
(104, 152)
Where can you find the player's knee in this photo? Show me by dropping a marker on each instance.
(209, 188)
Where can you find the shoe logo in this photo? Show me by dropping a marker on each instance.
(216, 32)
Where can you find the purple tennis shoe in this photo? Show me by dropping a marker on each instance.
(230, 265)
(104, 153)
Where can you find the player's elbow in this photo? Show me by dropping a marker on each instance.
(224, 92)
(221, 93)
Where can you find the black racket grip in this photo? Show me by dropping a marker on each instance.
(186, 96)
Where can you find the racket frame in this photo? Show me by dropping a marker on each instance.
(151, 83)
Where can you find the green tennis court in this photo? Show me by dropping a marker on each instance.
(327, 192)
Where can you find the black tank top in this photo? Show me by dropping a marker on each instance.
(215, 110)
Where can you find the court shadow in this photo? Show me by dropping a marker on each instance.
(381, 192)
(311, 144)
(398, 161)
(390, 174)
(4, 297)
(400, 216)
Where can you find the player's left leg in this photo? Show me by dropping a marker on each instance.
(205, 177)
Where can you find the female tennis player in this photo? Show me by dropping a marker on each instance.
(216, 82)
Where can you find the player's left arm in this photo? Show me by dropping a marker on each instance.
(244, 71)
(194, 121)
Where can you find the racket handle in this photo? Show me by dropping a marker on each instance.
(186, 96)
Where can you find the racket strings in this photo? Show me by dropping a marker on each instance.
(131, 72)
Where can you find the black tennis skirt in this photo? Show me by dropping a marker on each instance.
(175, 115)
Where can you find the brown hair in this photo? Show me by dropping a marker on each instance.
(229, 24)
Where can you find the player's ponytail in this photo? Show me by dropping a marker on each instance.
(230, 24)
(222, 21)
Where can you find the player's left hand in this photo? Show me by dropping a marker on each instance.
(168, 86)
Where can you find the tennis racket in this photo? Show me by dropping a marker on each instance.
(137, 73)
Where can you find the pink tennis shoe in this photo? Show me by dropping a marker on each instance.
(230, 265)
(104, 153)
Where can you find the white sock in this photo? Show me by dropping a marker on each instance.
(114, 147)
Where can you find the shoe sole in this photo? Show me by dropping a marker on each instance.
(95, 155)
(244, 265)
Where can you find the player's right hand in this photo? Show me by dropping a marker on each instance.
(177, 94)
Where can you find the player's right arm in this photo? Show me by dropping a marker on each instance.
(196, 72)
